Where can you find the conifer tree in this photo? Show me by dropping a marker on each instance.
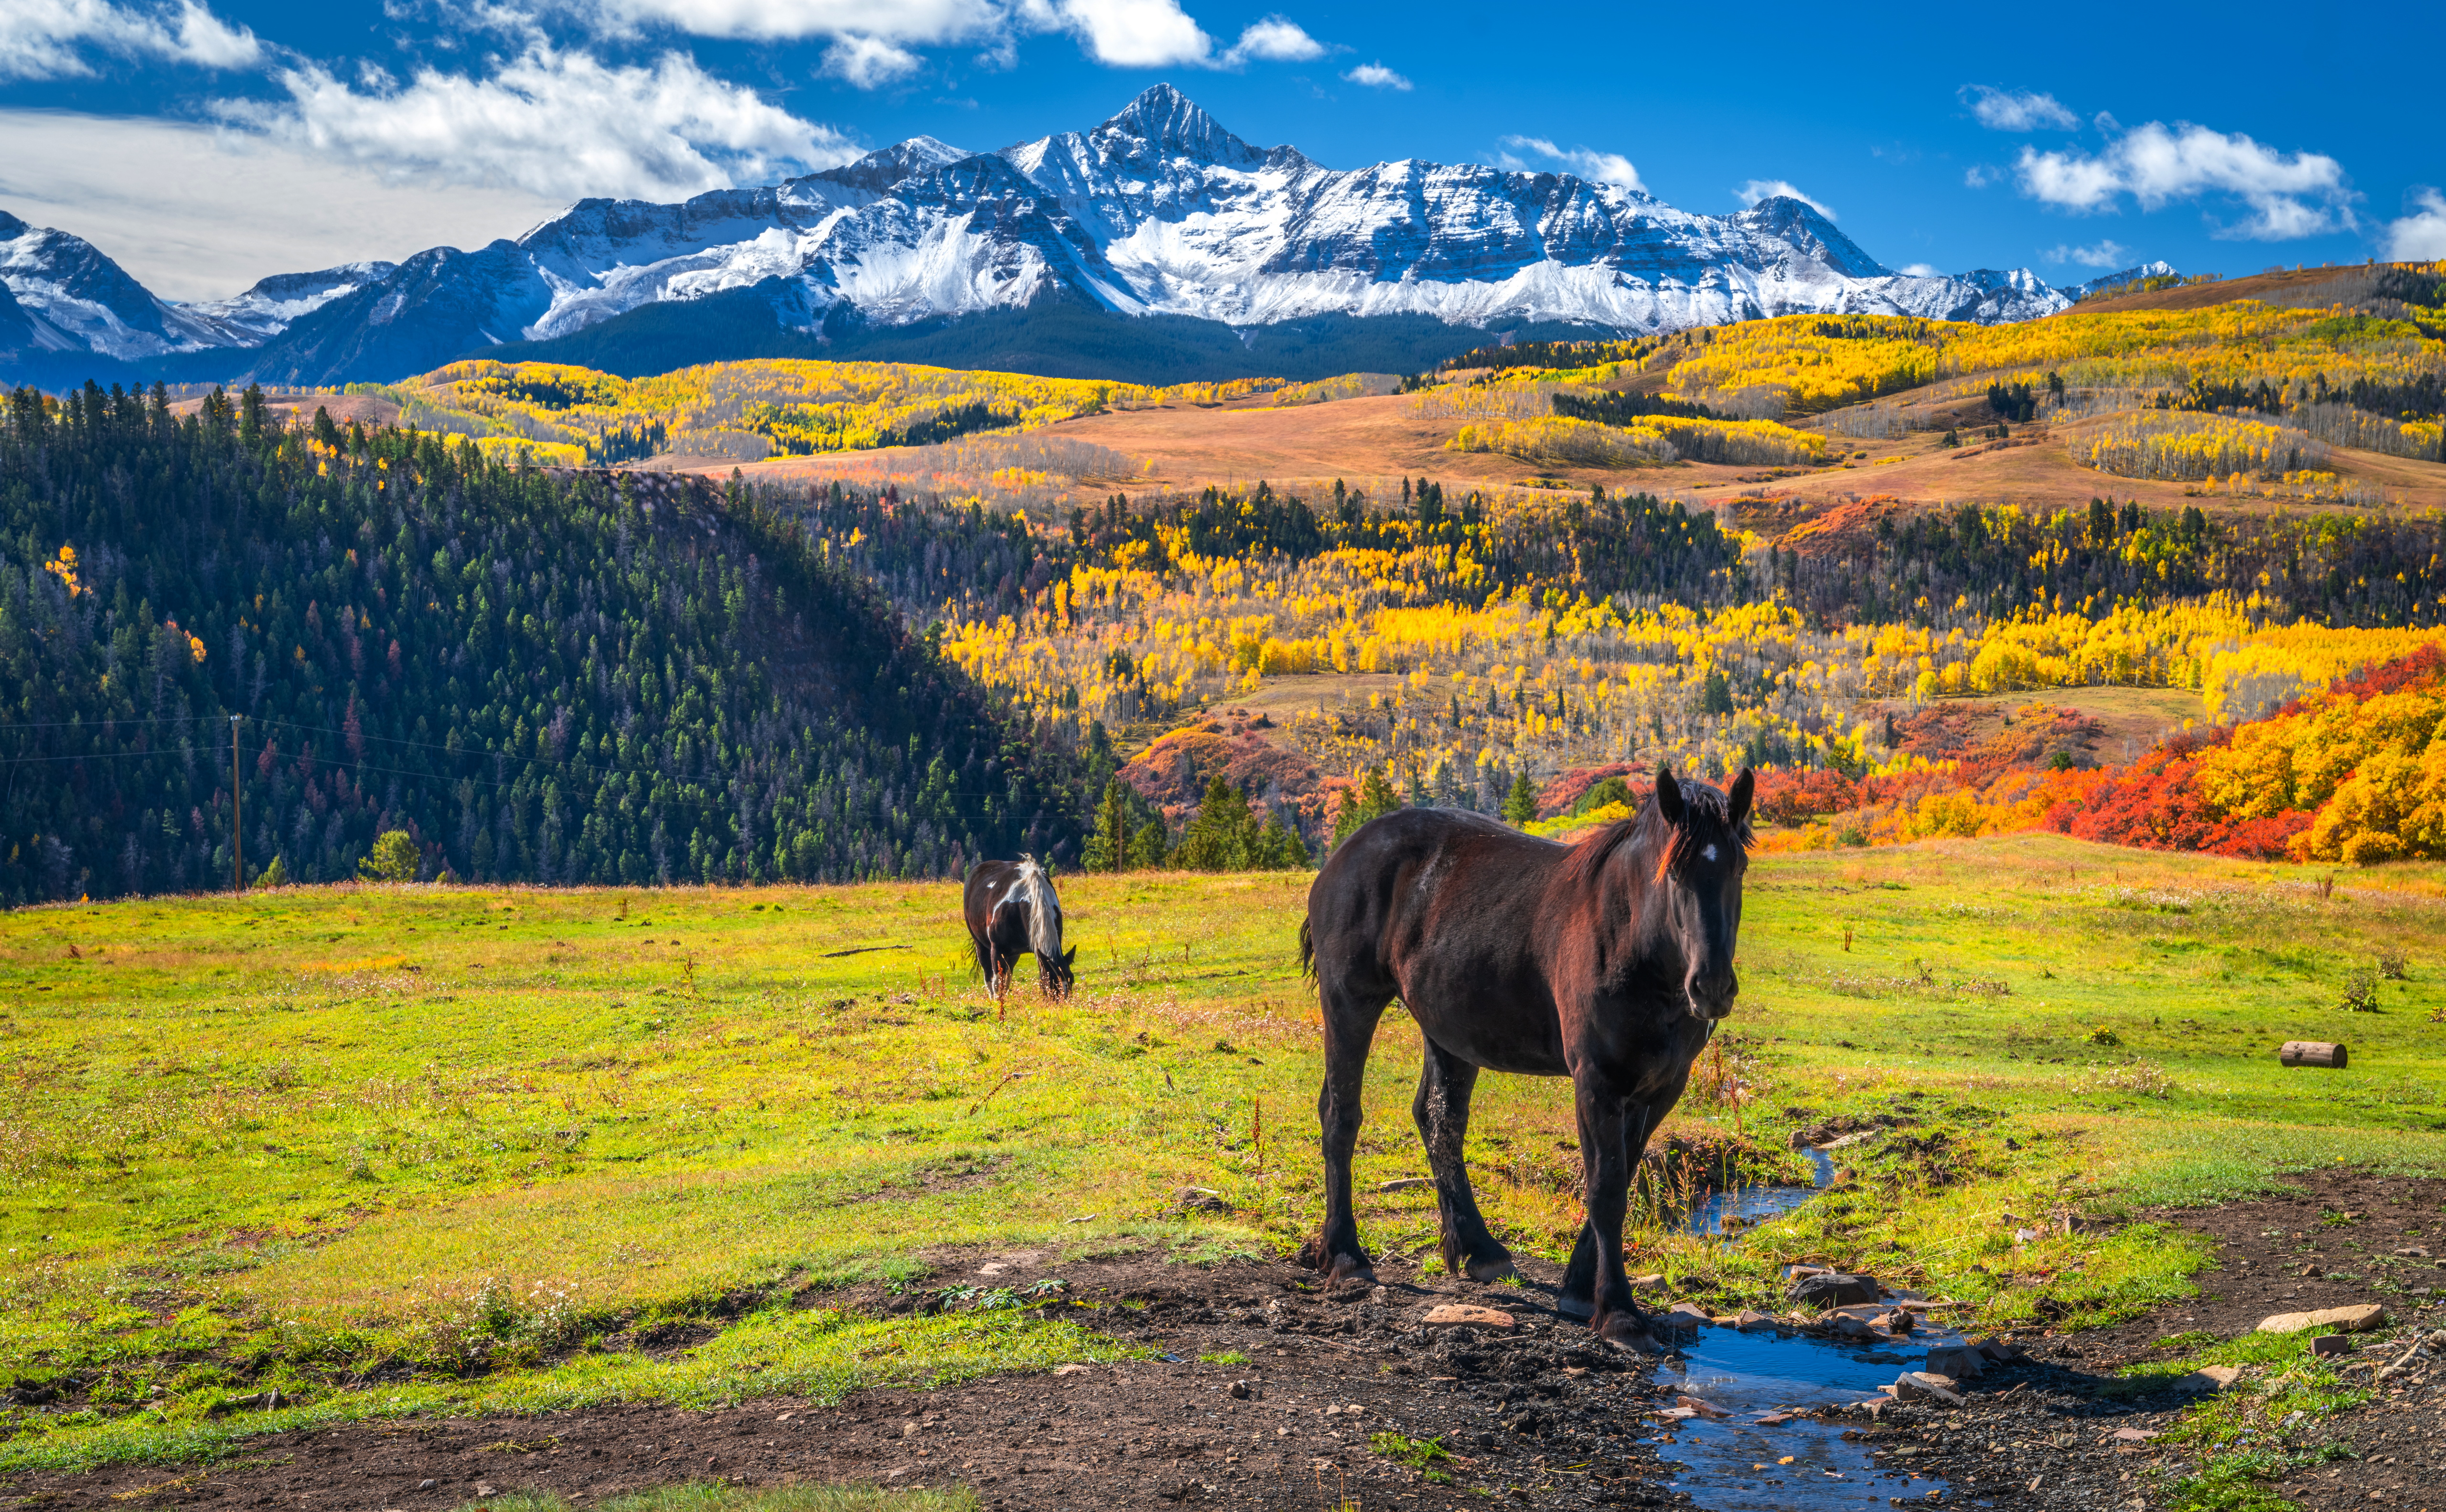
(1520, 805)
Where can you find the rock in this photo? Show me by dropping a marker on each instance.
(1378, 1295)
(1897, 1321)
(2131, 1435)
(1922, 1385)
(1069, 1370)
(1700, 1406)
(1685, 1315)
(1648, 1283)
(1199, 1200)
(2312, 1052)
(1247, 1391)
(1407, 1183)
(1745, 1318)
(2351, 1319)
(486, 1488)
(2326, 1344)
(1962, 1362)
(2024, 1236)
(2207, 1378)
(1833, 1289)
(1464, 1315)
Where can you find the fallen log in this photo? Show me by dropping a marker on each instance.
(2312, 1052)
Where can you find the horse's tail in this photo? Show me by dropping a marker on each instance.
(1307, 952)
(1043, 909)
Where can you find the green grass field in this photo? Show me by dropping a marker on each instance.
(388, 1151)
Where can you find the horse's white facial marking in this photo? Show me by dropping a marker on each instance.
(1709, 854)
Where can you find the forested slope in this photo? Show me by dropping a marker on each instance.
(542, 677)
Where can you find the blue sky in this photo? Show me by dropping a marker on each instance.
(205, 146)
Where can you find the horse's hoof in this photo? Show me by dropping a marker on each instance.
(1348, 1269)
(1630, 1336)
(1498, 1269)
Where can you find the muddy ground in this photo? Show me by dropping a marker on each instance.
(1536, 1415)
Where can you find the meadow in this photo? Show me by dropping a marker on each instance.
(394, 1151)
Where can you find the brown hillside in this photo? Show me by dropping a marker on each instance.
(2289, 284)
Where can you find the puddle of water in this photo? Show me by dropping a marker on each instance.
(1728, 1464)
(1728, 1214)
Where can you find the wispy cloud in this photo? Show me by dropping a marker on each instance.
(2289, 194)
(2421, 234)
(2015, 110)
(50, 39)
(1921, 269)
(548, 122)
(1597, 167)
(1376, 76)
(2105, 253)
(1758, 189)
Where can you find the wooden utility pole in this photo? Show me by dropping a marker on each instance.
(237, 824)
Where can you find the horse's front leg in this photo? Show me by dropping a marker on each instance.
(1349, 1029)
(1606, 1161)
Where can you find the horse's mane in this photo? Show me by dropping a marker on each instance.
(1044, 908)
(1705, 815)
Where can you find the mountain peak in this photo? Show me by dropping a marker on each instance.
(1163, 123)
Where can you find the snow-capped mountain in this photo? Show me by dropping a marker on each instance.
(2146, 270)
(1156, 212)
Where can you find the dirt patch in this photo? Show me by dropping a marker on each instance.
(2054, 1441)
(1540, 1415)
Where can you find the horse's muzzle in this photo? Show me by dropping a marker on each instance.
(1711, 997)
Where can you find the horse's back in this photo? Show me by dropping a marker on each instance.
(987, 883)
(1384, 887)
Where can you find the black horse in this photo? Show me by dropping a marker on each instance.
(1011, 910)
(1610, 961)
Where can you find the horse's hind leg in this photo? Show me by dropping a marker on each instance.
(1441, 1109)
(1349, 1029)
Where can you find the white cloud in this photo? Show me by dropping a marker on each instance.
(2423, 236)
(1597, 167)
(899, 21)
(199, 213)
(550, 123)
(2015, 110)
(1137, 33)
(2300, 193)
(1376, 76)
(1275, 39)
(1979, 175)
(2106, 252)
(1758, 189)
(45, 39)
(1921, 269)
(870, 61)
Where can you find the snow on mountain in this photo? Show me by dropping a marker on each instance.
(1157, 211)
(2146, 270)
(76, 297)
(277, 303)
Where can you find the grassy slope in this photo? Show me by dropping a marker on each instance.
(505, 1132)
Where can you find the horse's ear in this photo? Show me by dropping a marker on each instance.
(1737, 800)
(1669, 795)
(1069, 956)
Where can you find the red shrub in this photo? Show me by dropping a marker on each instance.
(1786, 797)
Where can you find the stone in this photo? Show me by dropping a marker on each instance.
(1648, 1283)
(1247, 1391)
(1199, 1200)
(1962, 1362)
(1922, 1385)
(2000, 1351)
(2351, 1319)
(2207, 1378)
(1407, 1183)
(1464, 1315)
(1746, 1318)
(2131, 1435)
(2326, 1344)
(1685, 1315)
(1069, 1370)
(1700, 1406)
(1833, 1289)
(1897, 1321)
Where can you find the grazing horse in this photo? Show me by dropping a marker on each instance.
(1011, 909)
(1610, 962)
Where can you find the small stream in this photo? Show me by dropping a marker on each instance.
(1731, 1465)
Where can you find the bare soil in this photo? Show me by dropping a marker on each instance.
(1540, 1415)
